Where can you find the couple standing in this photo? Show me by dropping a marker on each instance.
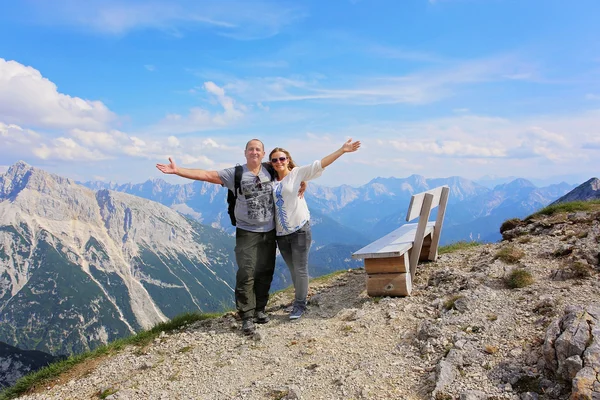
(269, 213)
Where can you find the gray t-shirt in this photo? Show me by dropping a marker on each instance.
(254, 208)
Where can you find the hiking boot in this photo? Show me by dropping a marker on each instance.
(248, 327)
(297, 312)
(261, 317)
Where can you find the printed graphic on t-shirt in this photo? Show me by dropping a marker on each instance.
(259, 199)
(281, 213)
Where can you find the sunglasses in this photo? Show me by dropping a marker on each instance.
(280, 159)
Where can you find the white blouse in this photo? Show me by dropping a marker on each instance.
(291, 212)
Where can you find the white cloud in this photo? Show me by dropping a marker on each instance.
(172, 141)
(449, 148)
(199, 119)
(423, 87)
(29, 99)
(238, 19)
(11, 134)
(150, 67)
(592, 96)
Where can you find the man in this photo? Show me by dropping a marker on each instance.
(255, 230)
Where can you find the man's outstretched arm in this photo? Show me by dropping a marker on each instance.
(196, 174)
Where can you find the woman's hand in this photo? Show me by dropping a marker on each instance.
(350, 146)
(168, 168)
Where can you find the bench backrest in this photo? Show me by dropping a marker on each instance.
(416, 202)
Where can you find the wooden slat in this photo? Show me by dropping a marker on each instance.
(420, 235)
(389, 284)
(416, 202)
(387, 265)
(435, 240)
(394, 244)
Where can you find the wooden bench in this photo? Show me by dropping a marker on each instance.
(391, 261)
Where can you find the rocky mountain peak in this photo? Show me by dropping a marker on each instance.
(518, 183)
(22, 176)
(589, 190)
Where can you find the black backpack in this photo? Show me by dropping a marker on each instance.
(237, 184)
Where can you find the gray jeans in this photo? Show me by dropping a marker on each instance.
(294, 250)
(255, 256)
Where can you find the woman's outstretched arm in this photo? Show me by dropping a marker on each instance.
(348, 147)
(196, 174)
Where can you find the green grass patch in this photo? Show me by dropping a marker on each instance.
(591, 205)
(449, 304)
(519, 278)
(39, 378)
(107, 392)
(510, 254)
(461, 245)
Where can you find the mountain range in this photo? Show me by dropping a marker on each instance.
(350, 215)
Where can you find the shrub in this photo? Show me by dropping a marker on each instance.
(519, 278)
(510, 254)
(581, 270)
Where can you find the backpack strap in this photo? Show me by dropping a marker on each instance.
(269, 168)
(237, 180)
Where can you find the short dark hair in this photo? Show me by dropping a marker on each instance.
(255, 140)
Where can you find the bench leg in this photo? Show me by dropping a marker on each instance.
(389, 284)
(424, 256)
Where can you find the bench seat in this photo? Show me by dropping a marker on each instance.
(394, 244)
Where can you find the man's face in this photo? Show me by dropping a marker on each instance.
(254, 151)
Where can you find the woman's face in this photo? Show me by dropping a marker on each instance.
(279, 161)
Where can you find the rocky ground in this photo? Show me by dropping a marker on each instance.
(463, 334)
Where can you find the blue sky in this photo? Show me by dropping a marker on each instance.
(106, 89)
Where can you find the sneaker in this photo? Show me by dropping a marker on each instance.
(297, 312)
(248, 327)
(261, 317)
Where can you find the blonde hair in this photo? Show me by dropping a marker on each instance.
(291, 164)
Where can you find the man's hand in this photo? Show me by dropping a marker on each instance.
(302, 189)
(168, 168)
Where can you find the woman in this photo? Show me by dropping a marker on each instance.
(292, 216)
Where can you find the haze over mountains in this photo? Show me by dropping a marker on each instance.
(350, 215)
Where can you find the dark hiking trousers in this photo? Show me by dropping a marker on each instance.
(255, 257)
